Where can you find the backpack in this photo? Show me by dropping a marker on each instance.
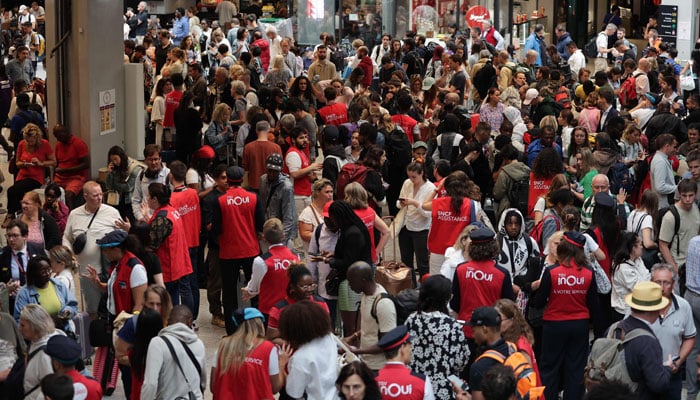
(398, 149)
(525, 375)
(338, 56)
(628, 92)
(537, 230)
(13, 386)
(350, 173)
(341, 163)
(606, 361)
(405, 302)
(562, 101)
(620, 178)
(417, 64)
(518, 194)
(590, 50)
(676, 223)
(41, 51)
(485, 79)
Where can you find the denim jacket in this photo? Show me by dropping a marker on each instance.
(29, 295)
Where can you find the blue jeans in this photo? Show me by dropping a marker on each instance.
(180, 292)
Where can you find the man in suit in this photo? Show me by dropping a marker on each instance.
(15, 256)
(606, 103)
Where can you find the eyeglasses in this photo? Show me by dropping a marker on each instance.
(153, 159)
(313, 286)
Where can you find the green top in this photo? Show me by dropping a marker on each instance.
(587, 183)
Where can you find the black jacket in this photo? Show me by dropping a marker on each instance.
(33, 250)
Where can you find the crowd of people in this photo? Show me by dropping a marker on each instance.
(533, 200)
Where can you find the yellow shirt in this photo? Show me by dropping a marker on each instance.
(48, 297)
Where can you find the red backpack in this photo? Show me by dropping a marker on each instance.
(537, 230)
(628, 91)
(350, 173)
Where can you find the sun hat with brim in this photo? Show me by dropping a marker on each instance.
(646, 296)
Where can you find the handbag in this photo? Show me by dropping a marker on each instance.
(601, 279)
(81, 240)
(190, 394)
(332, 282)
(687, 82)
(112, 198)
(649, 256)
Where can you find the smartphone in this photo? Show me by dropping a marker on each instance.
(315, 254)
(676, 358)
(459, 382)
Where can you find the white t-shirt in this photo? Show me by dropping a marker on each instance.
(634, 219)
(137, 278)
(293, 161)
(192, 176)
(386, 321)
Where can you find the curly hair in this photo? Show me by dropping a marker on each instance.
(519, 327)
(302, 322)
(547, 163)
(484, 251)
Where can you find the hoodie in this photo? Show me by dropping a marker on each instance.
(603, 159)
(510, 173)
(368, 68)
(519, 127)
(163, 380)
(515, 249)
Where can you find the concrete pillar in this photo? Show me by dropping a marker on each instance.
(93, 73)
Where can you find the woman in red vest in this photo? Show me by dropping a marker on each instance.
(357, 197)
(248, 367)
(170, 243)
(545, 166)
(450, 215)
(569, 292)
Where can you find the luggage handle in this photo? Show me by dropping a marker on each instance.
(393, 227)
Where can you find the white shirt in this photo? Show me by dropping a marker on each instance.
(313, 369)
(417, 219)
(576, 62)
(602, 42)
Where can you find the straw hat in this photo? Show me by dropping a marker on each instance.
(646, 296)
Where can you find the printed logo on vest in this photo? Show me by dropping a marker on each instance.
(395, 390)
(478, 275)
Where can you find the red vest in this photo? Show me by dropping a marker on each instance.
(568, 293)
(123, 299)
(538, 187)
(606, 264)
(489, 36)
(302, 185)
(239, 238)
(480, 284)
(334, 114)
(446, 226)
(84, 387)
(367, 216)
(186, 202)
(173, 253)
(273, 286)
(396, 381)
(251, 381)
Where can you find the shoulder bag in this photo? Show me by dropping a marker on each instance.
(81, 240)
(190, 394)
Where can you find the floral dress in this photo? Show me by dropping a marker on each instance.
(439, 349)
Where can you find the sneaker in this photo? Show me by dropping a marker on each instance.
(218, 320)
(195, 327)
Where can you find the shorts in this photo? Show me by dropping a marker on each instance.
(348, 300)
(73, 184)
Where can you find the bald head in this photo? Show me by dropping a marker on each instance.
(360, 276)
(180, 313)
(600, 184)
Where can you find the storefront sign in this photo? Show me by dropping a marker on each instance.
(668, 24)
(476, 15)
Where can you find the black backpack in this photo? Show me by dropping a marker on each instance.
(518, 194)
(620, 178)
(405, 302)
(485, 79)
(398, 150)
(13, 387)
(417, 64)
(590, 50)
(338, 56)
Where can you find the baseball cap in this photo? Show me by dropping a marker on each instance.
(274, 162)
(485, 316)
(112, 239)
(530, 95)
